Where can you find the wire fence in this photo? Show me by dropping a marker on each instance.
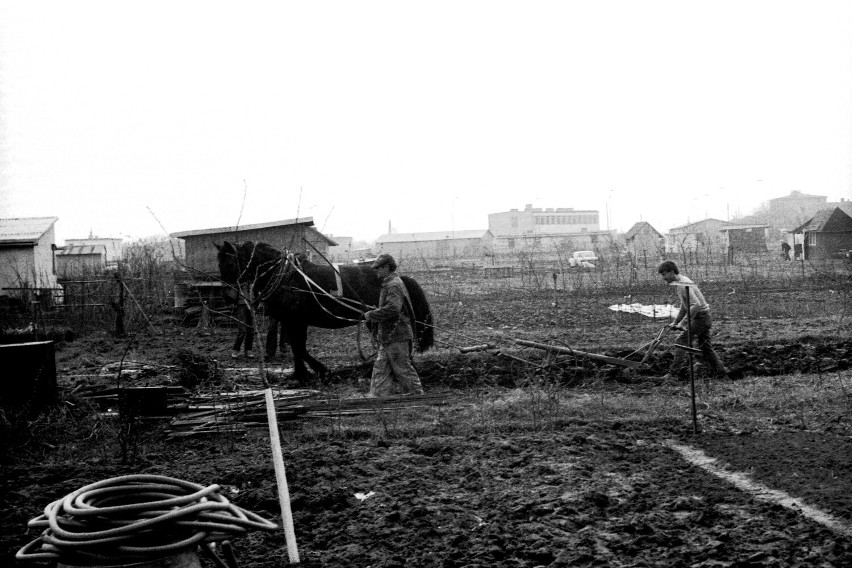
(756, 286)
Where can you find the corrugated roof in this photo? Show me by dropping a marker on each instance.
(25, 230)
(431, 236)
(80, 250)
(219, 230)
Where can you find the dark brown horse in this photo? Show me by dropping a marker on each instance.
(300, 294)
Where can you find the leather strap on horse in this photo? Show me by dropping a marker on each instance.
(342, 294)
(311, 285)
(271, 287)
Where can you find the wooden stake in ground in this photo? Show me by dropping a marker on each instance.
(275, 442)
(281, 478)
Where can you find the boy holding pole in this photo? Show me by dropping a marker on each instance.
(699, 316)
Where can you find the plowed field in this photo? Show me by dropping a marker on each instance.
(529, 461)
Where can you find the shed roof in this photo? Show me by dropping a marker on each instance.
(735, 226)
(636, 228)
(697, 224)
(82, 250)
(25, 230)
(309, 221)
(432, 236)
(831, 219)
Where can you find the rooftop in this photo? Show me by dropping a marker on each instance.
(25, 230)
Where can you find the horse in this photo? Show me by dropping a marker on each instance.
(302, 294)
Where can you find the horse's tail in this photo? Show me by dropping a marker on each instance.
(424, 330)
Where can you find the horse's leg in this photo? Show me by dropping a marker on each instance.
(298, 343)
(298, 337)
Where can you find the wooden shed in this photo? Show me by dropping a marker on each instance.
(80, 260)
(700, 235)
(644, 241)
(828, 234)
(199, 283)
(26, 254)
(295, 235)
(746, 238)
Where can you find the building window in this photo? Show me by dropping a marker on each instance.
(511, 243)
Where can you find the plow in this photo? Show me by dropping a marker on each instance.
(645, 351)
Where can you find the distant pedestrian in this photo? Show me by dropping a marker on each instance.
(245, 326)
(785, 250)
(391, 324)
(699, 315)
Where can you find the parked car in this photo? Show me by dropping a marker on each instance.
(582, 258)
(842, 255)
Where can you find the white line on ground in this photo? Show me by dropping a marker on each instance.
(759, 491)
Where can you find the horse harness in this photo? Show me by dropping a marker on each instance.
(280, 266)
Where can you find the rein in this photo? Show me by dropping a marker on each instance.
(314, 286)
(280, 266)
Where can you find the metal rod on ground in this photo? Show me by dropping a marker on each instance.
(691, 370)
(592, 356)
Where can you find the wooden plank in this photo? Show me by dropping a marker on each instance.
(570, 351)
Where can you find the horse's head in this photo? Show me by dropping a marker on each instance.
(250, 263)
(229, 270)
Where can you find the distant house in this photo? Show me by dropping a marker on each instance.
(441, 245)
(111, 246)
(362, 254)
(80, 260)
(342, 251)
(643, 240)
(746, 238)
(295, 235)
(825, 235)
(792, 210)
(26, 254)
(701, 235)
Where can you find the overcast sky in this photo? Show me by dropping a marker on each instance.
(425, 115)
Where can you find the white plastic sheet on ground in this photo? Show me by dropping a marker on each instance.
(652, 311)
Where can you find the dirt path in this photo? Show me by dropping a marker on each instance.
(588, 494)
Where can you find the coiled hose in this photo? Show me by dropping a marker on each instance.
(134, 518)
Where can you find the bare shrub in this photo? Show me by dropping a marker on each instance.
(194, 369)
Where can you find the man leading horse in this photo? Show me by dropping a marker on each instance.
(300, 294)
(390, 324)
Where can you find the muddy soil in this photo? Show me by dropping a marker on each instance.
(582, 493)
